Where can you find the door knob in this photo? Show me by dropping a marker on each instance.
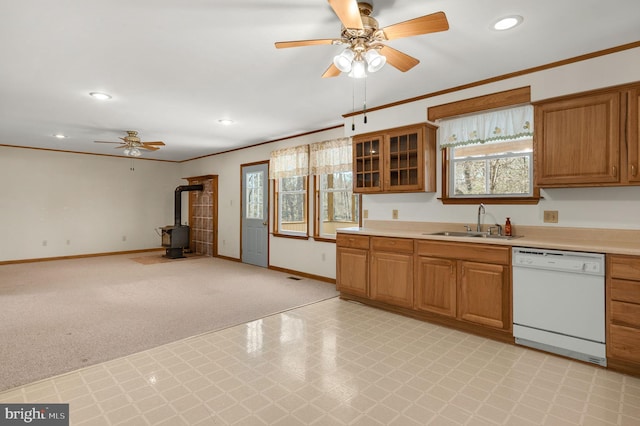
(264, 223)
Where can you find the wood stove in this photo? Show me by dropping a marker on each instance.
(176, 238)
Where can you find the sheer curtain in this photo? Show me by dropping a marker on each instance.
(495, 126)
(289, 162)
(332, 156)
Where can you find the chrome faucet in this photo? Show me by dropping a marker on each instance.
(480, 211)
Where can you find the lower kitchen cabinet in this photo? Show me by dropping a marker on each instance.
(436, 285)
(470, 282)
(352, 264)
(623, 312)
(392, 271)
(462, 285)
(484, 294)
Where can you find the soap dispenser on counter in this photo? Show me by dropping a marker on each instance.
(507, 228)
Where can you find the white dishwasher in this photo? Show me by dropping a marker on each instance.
(559, 302)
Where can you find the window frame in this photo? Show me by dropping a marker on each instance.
(277, 232)
(317, 210)
(507, 98)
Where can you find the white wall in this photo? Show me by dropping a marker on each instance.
(585, 207)
(81, 204)
(309, 256)
(93, 201)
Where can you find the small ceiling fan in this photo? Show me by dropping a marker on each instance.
(132, 144)
(364, 39)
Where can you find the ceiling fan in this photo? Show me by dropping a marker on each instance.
(365, 49)
(132, 144)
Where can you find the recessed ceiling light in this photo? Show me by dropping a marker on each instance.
(226, 122)
(59, 136)
(100, 96)
(508, 22)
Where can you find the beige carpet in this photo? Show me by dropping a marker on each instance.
(62, 315)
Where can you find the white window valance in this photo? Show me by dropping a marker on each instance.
(332, 156)
(495, 126)
(289, 162)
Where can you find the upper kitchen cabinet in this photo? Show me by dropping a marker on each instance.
(588, 139)
(395, 160)
(633, 133)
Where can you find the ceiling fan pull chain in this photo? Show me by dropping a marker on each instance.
(364, 106)
(353, 106)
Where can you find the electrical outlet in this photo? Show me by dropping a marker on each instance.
(124, 238)
(394, 214)
(551, 216)
(365, 214)
(44, 243)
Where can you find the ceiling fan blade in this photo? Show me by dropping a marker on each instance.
(332, 71)
(153, 143)
(348, 13)
(400, 60)
(426, 24)
(148, 147)
(124, 145)
(300, 43)
(106, 142)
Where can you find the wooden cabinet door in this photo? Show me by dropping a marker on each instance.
(352, 267)
(435, 286)
(404, 160)
(577, 140)
(484, 294)
(633, 134)
(368, 163)
(392, 278)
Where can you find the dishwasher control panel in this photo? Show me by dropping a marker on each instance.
(574, 262)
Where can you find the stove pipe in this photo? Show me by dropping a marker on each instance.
(178, 200)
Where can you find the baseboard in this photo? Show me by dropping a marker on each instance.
(233, 259)
(304, 274)
(78, 256)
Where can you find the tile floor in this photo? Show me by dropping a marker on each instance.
(340, 363)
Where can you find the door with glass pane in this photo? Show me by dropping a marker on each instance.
(255, 214)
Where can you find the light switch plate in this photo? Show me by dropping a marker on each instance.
(394, 214)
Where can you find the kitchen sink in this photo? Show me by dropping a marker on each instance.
(473, 235)
(456, 234)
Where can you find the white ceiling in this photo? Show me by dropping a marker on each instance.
(175, 67)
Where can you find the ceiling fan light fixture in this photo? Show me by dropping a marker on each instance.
(375, 61)
(134, 152)
(358, 70)
(344, 60)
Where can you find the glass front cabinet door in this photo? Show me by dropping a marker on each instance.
(395, 160)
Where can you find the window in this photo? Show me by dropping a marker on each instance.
(254, 201)
(291, 206)
(492, 170)
(289, 167)
(338, 206)
(488, 155)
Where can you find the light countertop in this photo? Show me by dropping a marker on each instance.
(612, 241)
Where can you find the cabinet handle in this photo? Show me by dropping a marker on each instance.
(633, 170)
(614, 170)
